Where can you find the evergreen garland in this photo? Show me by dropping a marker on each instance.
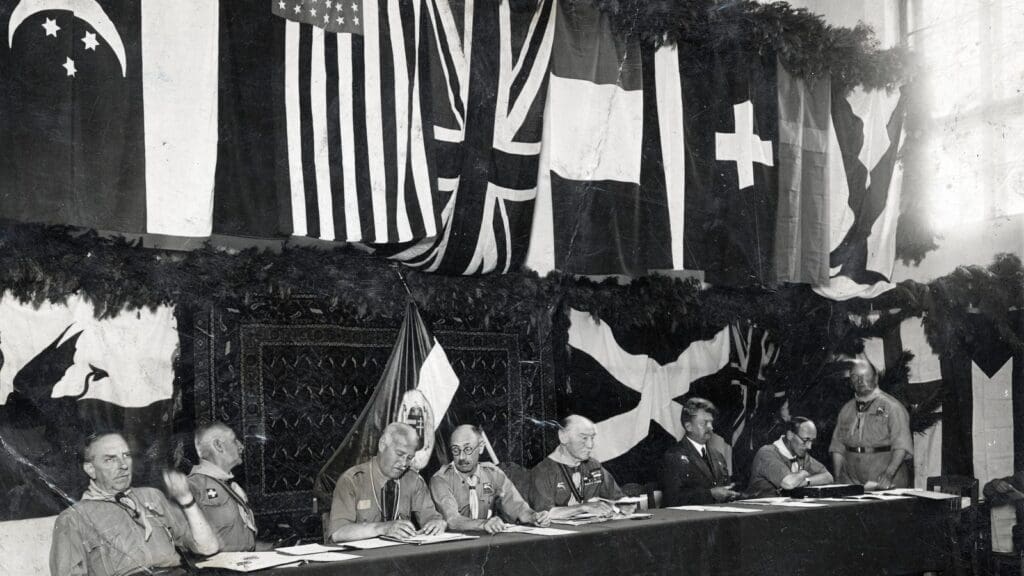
(805, 44)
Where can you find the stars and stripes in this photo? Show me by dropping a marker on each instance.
(356, 121)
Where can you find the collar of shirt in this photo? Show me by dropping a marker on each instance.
(780, 445)
(94, 492)
(697, 445)
(210, 469)
(563, 457)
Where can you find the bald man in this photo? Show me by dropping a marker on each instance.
(567, 480)
(222, 500)
(116, 529)
(382, 497)
(787, 463)
(474, 495)
(871, 441)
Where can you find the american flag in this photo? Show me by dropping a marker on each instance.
(490, 65)
(357, 121)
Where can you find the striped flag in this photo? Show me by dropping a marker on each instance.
(865, 184)
(108, 114)
(325, 133)
(417, 387)
(592, 213)
(489, 68)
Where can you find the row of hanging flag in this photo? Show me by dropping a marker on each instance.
(457, 137)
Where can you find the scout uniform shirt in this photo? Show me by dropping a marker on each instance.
(359, 498)
(494, 493)
(866, 433)
(104, 537)
(774, 462)
(225, 506)
(555, 482)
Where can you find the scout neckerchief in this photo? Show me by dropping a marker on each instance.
(794, 462)
(124, 501)
(219, 476)
(862, 410)
(474, 502)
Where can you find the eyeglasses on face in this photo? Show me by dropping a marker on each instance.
(460, 450)
(806, 441)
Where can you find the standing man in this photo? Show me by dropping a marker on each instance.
(382, 496)
(565, 482)
(116, 529)
(786, 464)
(872, 441)
(474, 495)
(692, 472)
(221, 499)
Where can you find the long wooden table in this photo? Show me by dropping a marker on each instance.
(857, 538)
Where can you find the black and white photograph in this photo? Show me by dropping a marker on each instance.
(512, 287)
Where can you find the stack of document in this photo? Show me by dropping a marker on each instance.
(420, 539)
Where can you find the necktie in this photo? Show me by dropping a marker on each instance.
(390, 498)
(707, 459)
(474, 502)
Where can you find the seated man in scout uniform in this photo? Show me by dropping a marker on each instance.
(221, 499)
(567, 480)
(116, 529)
(382, 496)
(786, 463)
(474, 495)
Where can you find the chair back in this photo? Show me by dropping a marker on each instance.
(964, 486)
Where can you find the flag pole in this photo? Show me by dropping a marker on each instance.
(489, 448)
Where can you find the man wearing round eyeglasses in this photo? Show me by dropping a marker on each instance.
(786, 463)
(381, 497)
(474, 495)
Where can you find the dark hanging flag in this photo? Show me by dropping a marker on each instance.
(489, 75)
(593, 216)
(417, 386)
(107, 119)
(631, 387)
(328, 128)
(730, 125)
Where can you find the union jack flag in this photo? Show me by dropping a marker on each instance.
(489, 73)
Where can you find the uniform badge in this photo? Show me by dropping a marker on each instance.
(560, 486)
(363, 505)
(211, 493)
(488, 489)
(684, 459)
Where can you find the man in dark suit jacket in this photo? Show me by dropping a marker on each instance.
(692, 472)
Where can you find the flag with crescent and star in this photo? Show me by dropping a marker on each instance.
(108, 114)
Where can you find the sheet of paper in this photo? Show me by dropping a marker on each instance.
(878, 496)
(797, 504)
(328, 557)
(307, 549)
(247, 561)
(434, 539)
(539, 531)
(370, 544)
(581, 520)
(712, 509)
(768, 500)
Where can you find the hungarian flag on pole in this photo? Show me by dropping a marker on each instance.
(417, 386)
(108, 114)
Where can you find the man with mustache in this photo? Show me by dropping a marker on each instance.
(786, 464)
(222, 500)
(116, 529)
(474, 495)
(692, 471)
(381, 497)
(568, 481)
(871, 441)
